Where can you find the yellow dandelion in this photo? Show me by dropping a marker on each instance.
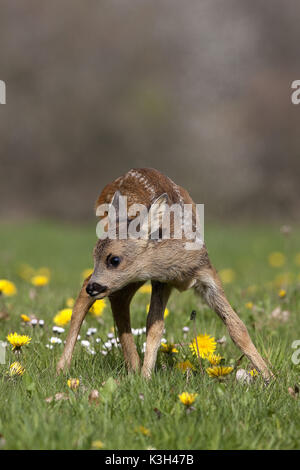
(249, 305)
(214, 359)
(251, 289)
(97, 444)
(70, 302)
(26, 272)
(39, 280)
(43, 272)
(184, 366)
(168, 348)
(86, 273)
(17, 341)
(165, 314)
(227, 275)
(204, 346)
(297, 259)
(282, 293)
(143, 430)
(98, 307)
(25, 318)
(187, 398)
(16, 369)
(253, 373)
(219, 371)
(146, 289)
(276, 259)
(63, 317)
(73, 384)
(7, 288)
(283, 279)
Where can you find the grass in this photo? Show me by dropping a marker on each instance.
(226, 415)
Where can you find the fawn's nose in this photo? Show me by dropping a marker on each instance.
(94, 288)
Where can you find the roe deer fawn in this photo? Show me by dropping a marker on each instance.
(121, 266)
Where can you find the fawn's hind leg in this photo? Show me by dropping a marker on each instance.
(81, 307)
(120, 304)
(210, 287)
(155, 324)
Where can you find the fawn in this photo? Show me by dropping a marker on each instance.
(121, 267)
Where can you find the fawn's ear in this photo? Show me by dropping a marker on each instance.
(152, 224)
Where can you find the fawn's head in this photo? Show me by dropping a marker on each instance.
(118, 262)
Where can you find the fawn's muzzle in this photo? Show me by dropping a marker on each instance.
(94, 289)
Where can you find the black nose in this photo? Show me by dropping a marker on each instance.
(94, 289)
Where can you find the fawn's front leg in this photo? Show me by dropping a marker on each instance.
(120, 305)
(211, 289)
(81, 307)
(155, 325)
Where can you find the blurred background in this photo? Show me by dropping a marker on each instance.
(200, 90)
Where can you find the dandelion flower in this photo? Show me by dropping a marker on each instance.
(168, 348)
(214, 359)
(283, 279)
(206, 345)
(7, 288)
(187, 398)
(16, 369)
(166, 313)
(70, 302)
(146, 289)
(253, 373)
(219, 371)
(297, 259)
(73, 384)
(17, 341)
(39, 280)
(63, 317)
(184, 366)
(26, 272)
(97, 308)
(227, 275)
(282, 293)
(25, 318)
(86, 273)
(276, 259)
(97, 444)
(249, 305)
(143, 430)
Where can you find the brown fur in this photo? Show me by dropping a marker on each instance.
(166, 263)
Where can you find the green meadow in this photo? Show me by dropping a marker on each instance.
(38, 410)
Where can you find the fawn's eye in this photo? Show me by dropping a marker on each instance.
(113, 261)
